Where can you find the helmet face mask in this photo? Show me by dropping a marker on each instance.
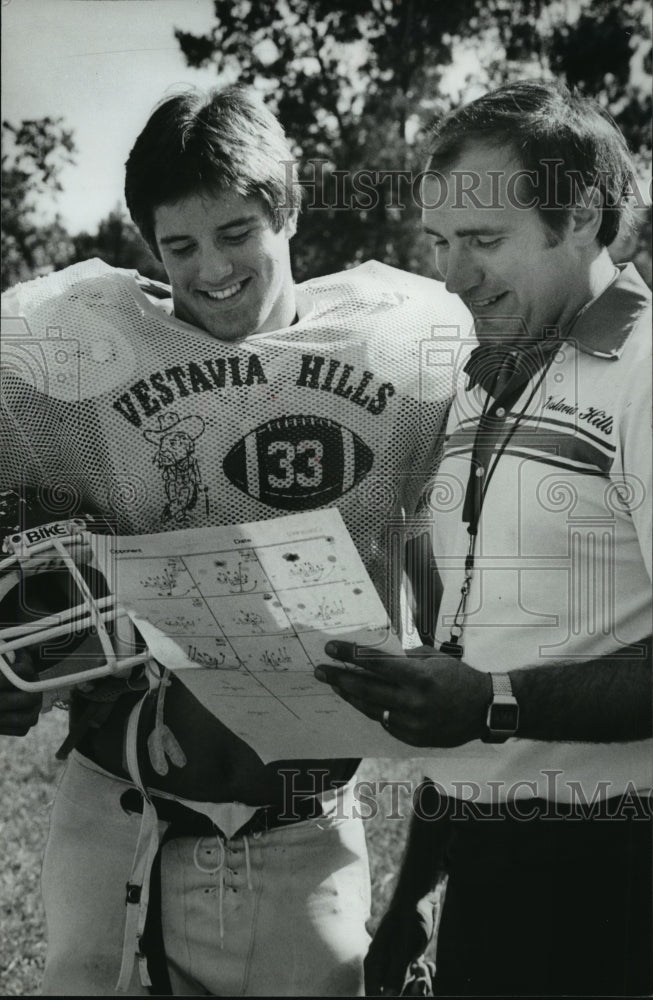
(44, 567)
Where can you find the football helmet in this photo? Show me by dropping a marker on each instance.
(43, 568)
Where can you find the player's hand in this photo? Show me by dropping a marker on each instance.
(19, 710)
(402, 936)
(431, 700)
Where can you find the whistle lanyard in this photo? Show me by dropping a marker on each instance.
(484, 460)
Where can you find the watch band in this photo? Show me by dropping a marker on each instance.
(501, 685)
(503, 712)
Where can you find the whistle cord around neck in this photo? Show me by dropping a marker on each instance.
(475, 496)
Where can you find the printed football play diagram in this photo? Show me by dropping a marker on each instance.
(243, 613)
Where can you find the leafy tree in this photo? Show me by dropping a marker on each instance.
(118, 242)
(34, 153)
(356, 83)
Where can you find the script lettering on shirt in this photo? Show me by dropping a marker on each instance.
(599, 419)
(560, 405)
(594, 416)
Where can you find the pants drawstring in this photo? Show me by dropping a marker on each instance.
(216, 869)
(221, 908)
(247, 864)
(219, 869)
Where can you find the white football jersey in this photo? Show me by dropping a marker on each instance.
(121, 410)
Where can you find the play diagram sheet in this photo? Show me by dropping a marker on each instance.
(242, 614)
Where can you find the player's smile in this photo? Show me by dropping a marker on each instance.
(223, 294)
(224, 298)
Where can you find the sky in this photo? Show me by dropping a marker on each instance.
(101, 65)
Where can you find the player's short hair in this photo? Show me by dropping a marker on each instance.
(208, 142)
(568, 142)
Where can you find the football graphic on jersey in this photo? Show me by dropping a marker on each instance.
(298, 462)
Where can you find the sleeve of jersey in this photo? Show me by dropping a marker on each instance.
(29, 497)
(40, 376)
(21, 411)
(15, 362)
(636, 447)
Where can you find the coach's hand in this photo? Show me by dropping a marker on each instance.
(424, 698)
(19, 710)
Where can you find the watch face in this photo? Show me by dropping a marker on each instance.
(503, 718)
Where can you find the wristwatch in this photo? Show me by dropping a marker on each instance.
(503, 711)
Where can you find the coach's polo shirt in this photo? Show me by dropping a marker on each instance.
(563, 554)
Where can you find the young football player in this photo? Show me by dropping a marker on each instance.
(233, 396)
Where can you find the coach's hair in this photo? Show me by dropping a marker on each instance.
(208, 142)
(568, 142)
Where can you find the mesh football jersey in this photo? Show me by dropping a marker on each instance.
(121, 410)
